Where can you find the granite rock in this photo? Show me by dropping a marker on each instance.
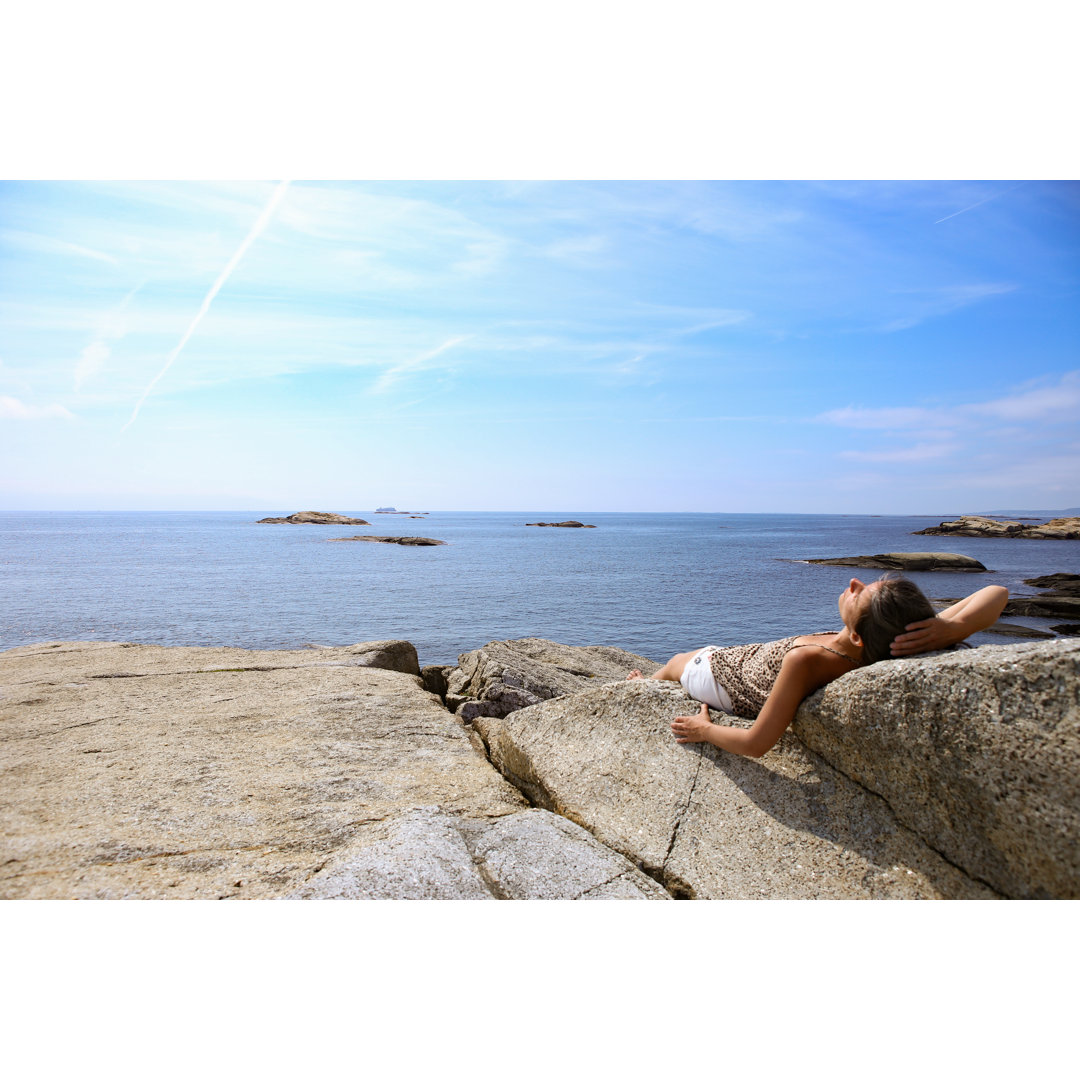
(908, 561)
(405, 541)
(977, 751)
(313, 517)
(429, 854)
(1045, 605)
(705, 823)
(1066, 528)
(506, 675)
(559, 525)
(141, 771)
(1058, 584)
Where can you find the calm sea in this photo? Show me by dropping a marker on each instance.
(651, 583)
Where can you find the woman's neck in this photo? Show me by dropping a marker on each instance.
(844, 643)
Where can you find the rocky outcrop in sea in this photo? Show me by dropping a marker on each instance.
(142, 771)
(909, 561)
(312, 517)
(406, 541)
(559, 525)
(1065, 528)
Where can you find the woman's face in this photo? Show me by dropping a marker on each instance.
(854, 599)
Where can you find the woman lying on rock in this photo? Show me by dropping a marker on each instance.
(767, 682)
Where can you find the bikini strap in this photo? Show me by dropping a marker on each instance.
(815, 645)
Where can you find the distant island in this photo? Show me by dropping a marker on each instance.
(406, 541)
(1063, 528)
(908, 560)
(312, 517)
(559, 525)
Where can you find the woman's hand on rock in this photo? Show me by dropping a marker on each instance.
(692, 728)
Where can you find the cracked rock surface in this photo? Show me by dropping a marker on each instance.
(503, 676)
(977, 751)
(708, 824)
(431, 855)
(143, 771)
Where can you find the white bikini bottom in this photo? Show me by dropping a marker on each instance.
(698, 681)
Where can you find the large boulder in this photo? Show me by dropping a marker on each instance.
(141, 771)
(705, 823)
(977, 751)
(909, 561)
(506, 675)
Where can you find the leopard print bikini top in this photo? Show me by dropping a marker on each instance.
(748, 672)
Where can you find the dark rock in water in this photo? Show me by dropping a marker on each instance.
(909, 560)
(313, 517)
(1009, 629)
(385, 510)
(560, 525)
(1057, 584)
(1069, 629)
(1045, 606)
(1053, 581)
(1066, 528)
(407, 541)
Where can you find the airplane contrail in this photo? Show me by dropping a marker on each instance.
(996, 195)
(230, 266)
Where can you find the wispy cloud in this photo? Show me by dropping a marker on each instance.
(574, 248)
(50, 245)
(981, 202)
(260, 224)
(395, 373)
(926, 451)
(113, 328)
(13, 409)
(1048, 402)
(938, 302)
(1038, 403)
(880, 419)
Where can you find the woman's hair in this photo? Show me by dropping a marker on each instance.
(894, 604)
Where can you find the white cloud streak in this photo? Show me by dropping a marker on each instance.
(1049, 404)
(981, 202)
(113, 328)
(260, 224)
(393, 374)
(918, 452)
(13, 409)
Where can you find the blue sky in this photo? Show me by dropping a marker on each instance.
(864, 347)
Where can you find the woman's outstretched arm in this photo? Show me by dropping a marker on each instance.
(977, 612)
(801, 673)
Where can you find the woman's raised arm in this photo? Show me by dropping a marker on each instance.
(977, 612)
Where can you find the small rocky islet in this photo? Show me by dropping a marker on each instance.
(1063, 528)
(908, 560)
(312, 517)
(352, 772)
(558, 525)
(405, 541)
